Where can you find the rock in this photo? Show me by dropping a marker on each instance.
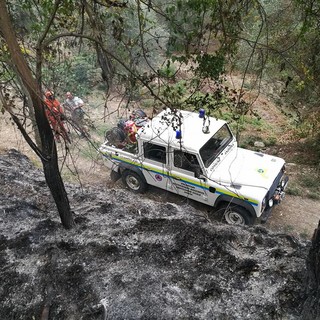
(259, 144)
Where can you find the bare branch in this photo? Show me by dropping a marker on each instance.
(113, 56)
(16, 120)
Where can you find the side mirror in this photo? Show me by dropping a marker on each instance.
(198, 174)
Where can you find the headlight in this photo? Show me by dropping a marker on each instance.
(270, 203)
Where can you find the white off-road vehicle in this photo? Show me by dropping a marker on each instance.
(197, 157)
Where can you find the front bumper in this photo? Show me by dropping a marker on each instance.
(275, 195)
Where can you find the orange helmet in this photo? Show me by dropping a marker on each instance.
(48, 94)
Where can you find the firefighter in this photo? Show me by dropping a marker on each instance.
(55, 116)
(131, 130)
(74, 106)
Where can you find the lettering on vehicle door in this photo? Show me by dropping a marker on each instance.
(184, 168)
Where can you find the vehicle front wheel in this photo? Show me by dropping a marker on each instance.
(133, 181)
(237, 215)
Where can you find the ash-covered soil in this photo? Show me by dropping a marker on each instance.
(132, 258)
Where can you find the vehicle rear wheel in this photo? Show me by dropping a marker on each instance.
(237, 215)
(133, 181)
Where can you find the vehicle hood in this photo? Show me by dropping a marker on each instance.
(246, 168)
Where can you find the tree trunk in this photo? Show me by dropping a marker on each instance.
(107, 71)
(49, 152)
(311, 307)
(33, 122)
(106, 67)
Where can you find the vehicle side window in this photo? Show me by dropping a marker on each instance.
(154, 152)
(186, 161)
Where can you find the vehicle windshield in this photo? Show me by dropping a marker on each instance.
(215, 145)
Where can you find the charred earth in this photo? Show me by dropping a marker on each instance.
(130, 257)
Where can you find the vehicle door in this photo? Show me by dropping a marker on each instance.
(186, 176)
(155, 164)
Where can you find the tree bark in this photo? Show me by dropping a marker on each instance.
(49, 156)
(311, 307)
(107, 71)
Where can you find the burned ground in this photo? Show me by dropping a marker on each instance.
(130, 257)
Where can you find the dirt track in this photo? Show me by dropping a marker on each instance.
(296, 215)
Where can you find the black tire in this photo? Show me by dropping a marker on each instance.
(115, 136)
(236, 215)
(133, 181)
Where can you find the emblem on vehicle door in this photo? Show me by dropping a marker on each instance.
(158, 177)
